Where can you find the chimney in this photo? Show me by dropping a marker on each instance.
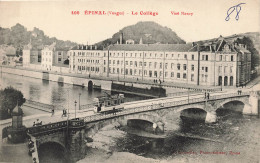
(193, 44)
(121, 38)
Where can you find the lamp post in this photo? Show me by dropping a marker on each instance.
(75, 107)
(79, 100)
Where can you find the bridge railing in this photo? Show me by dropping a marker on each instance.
(47, 127)
(160, 105)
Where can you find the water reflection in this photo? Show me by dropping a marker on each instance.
(58, 94)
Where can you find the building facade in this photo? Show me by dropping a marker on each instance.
(87, 60)
(48, 57)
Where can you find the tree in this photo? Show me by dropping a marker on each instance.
(66, 62)
(9, 98)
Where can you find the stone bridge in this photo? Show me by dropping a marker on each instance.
(70, 135)
(165, 112)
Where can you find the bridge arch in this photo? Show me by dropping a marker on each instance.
(221, 104)
(93, 128)
(90, 85)
(52, 151)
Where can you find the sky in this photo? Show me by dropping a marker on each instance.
(55, 18)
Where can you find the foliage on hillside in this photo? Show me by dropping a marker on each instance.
(150, 32)
(18, 36)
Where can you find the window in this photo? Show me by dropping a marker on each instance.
(184, 67)
(144, 64)
(114, 62)
(118, 62)
(140, 64)
(131, 63)
(192, 57)
(184, 75)
(178, 75)
(178, 66)
(192, 67)
(206, 69)
(226, 58)
(166, 65)
(126, 62)
(202, 68)
(172, 65)
(192, 77)
(150, 64)
(172, 74)
(145, 72)
(135, 63)
(203, 57)
(207, 57)
(155, 73)
(220, 69)
(166, 74)
(225, 69)
(232, 58)
(185, 56)
(220, 58)
(231, 69)
(59, 59)
(206, 78)
(160, 64)
(155, 64)
(160, 73)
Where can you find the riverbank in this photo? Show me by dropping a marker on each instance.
(82, 80)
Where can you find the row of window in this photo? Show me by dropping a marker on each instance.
(151, 55)
(148, 73)
(92, 54)
(86, 68)
(226, 58)
(87, 61)
(226, 69)
(150, 65)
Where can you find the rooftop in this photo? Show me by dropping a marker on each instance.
(153, 47)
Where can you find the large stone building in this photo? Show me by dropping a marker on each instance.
(216, 62)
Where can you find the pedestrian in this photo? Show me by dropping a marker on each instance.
(114, 111)
(208, 95)
(238, 92)
(52, 111)
(205, 95)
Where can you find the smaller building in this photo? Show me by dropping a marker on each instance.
(7, 55)
(48, 57)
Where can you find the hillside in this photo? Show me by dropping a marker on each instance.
(18, 36)
(150, 32)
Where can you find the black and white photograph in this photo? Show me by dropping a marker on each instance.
(130, 81)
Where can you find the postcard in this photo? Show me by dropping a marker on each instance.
(129, 81)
